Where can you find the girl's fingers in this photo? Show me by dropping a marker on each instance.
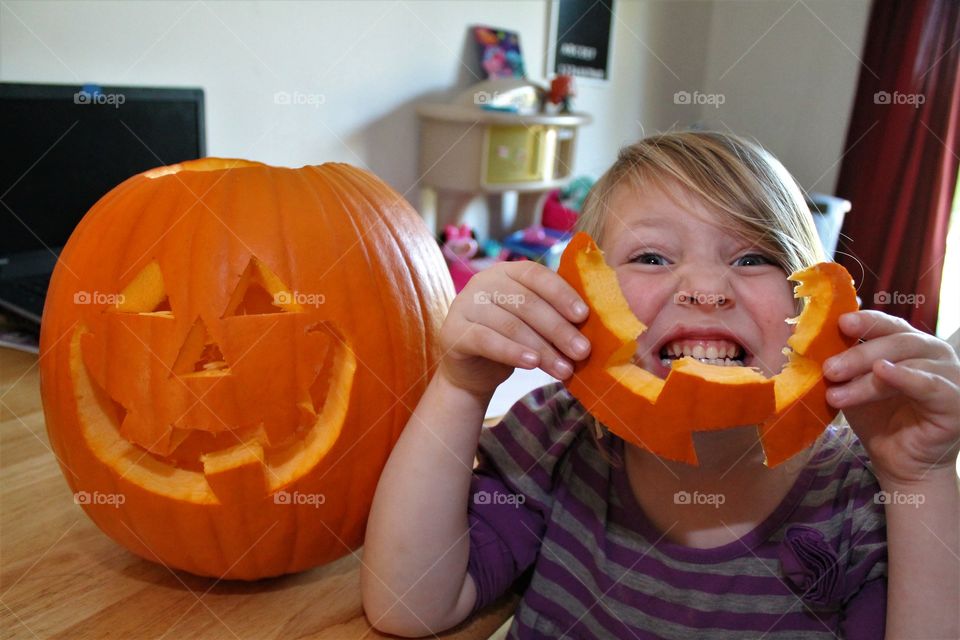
(886, 337)
(546, 321)
(513, 328)
(868, 323)
(480, 340)
(896, 347)
(936, 393)
(918, 379)
(552, 288)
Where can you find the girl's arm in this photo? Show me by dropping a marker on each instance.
(923, 548)
(414, 577)
(900, 390)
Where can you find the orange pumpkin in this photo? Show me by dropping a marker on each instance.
(661, 415)
(229, 352)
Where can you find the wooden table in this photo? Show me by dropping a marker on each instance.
(61, 577)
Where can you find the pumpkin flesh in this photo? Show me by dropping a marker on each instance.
(211, 394)
(661, 415)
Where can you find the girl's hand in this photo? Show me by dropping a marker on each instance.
(514, 314)
(900, 390)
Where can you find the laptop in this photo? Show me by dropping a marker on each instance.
(65, 146)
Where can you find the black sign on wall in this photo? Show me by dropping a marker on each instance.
(581, 30)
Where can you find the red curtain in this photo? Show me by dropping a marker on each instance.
(900, 167)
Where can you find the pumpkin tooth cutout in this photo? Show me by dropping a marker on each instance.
(257, 342)
(790, 409)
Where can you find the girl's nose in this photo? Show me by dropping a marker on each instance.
(706, 288)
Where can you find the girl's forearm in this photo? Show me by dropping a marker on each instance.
(417, 543)
(923, 544)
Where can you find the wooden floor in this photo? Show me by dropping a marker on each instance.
(61, 577)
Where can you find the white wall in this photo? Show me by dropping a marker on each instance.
(781, 71)
(370, 61)
(373, 61)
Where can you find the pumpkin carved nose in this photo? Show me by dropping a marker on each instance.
(273, 329)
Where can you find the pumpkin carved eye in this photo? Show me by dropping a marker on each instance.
(260, 348)
(790, 409)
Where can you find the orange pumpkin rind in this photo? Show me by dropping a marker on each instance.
(790, 409)
(243, 421)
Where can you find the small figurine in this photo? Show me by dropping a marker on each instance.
(562, 91)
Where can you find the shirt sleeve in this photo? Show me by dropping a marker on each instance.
(511, 488)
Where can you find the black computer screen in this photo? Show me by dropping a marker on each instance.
(66, 146)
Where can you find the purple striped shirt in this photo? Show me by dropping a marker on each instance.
(552, 516)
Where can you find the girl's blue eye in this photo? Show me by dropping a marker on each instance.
(649, 258)
(752, 260)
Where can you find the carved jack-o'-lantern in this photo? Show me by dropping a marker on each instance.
(230, 351)
(790, 408)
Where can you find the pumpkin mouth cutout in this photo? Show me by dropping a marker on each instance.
(149, 415)
(697, 391)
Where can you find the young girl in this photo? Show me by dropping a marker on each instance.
(857, 534)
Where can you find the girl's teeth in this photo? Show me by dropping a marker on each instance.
(713, 350)
(719, 362)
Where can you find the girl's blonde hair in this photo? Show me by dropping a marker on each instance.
(751, 190)
(733, 176)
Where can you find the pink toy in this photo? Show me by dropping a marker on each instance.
(555, 215)
(459, 249)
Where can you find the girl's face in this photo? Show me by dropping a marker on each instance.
(701, 288)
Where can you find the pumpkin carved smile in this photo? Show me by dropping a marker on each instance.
(661, 415)
(234, 348)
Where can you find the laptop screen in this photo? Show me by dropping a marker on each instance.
(67, 146)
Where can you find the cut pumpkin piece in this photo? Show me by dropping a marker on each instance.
(661, 415)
